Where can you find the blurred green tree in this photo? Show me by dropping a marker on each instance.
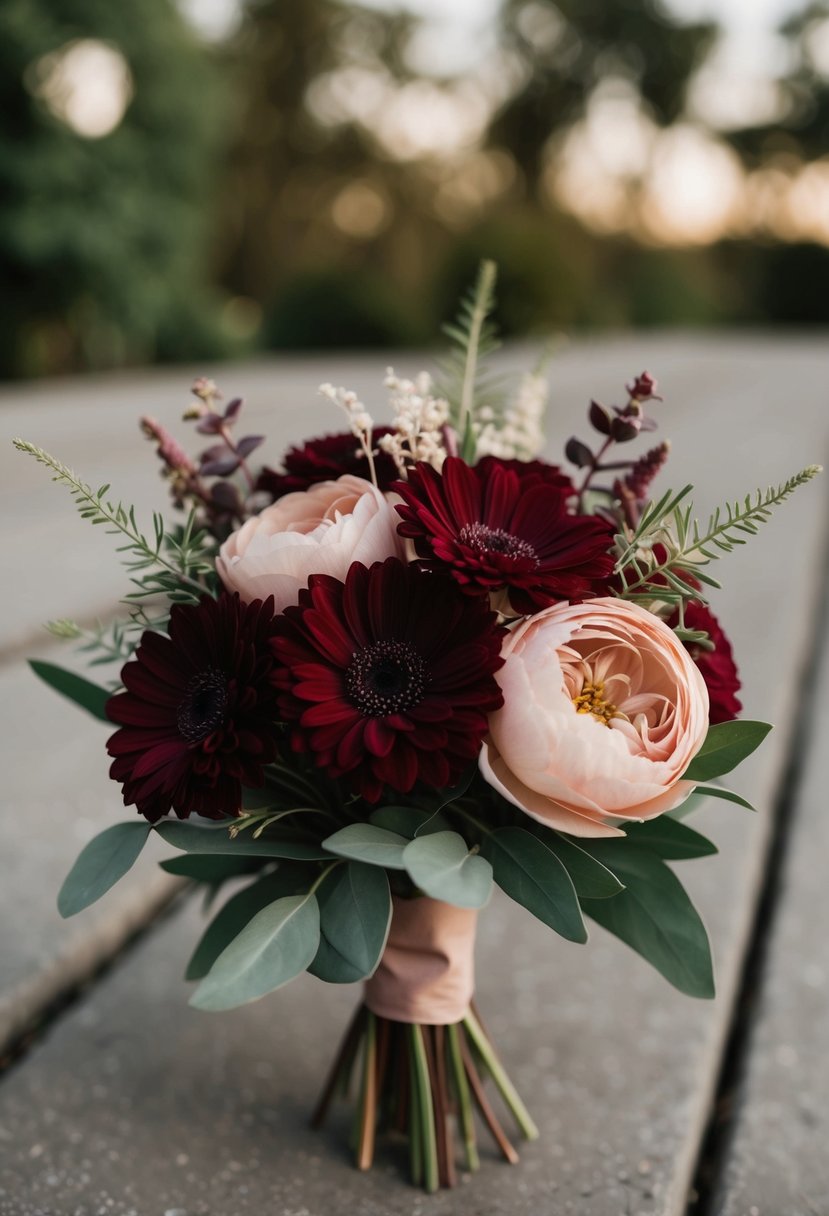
(800, 130)
(102, 232)
(564, 49)
(310, 185)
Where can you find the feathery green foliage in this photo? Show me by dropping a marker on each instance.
(173, 563)
(467, 384)
(688, 547)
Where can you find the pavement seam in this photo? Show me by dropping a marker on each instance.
(25, 1039)
(712, 1161)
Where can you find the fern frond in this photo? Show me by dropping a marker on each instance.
(466, 384)
(686, 547)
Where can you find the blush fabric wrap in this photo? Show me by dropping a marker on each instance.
(427, 972)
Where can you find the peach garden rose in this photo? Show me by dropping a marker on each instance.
(317, 531)
(603, 711)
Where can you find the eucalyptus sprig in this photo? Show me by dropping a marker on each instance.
(176, 563)
(662, 557)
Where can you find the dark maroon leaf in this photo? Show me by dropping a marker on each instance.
(249, 444)
(623, 429)
(233, 408)
(220, 468)
(225, 495)
(217, 452)
(578, 453)
(599, 418)
(210, 424)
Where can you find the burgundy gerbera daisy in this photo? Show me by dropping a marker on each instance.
(326, 459)
(540, 470)
(492, 529)
(199, 712)
(717, 666)
(388, 677)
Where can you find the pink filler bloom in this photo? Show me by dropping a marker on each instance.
(603, 711)
(317, 531)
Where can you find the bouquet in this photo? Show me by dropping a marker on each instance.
(415, 662)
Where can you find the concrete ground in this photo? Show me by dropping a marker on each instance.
(124, 1100)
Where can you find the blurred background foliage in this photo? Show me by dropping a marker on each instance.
(311, 173)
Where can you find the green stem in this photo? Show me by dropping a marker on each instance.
(465, 1115)
(415, 1150)
(508, 1091)
(368, 1096)
(321, 879)
(427, 1114)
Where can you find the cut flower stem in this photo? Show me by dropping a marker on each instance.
(423, 1081)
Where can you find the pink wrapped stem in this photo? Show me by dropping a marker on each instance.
(427, 973)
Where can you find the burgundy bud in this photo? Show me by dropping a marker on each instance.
(578, 453)
(599, 418)
(169, 449)
(643, 388)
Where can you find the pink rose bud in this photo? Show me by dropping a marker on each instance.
(317, 531)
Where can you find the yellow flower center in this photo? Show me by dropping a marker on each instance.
(591, 700)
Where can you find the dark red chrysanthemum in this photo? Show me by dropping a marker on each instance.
(326, 459)
(199, 712)
(492, 529)
(717, 666)
(388, 677)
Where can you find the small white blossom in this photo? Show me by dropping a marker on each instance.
(518, 432)
(359, 419)
(419, 421)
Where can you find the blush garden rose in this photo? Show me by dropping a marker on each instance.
(322, 530)
(603, 711)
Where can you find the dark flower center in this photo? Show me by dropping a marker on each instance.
(495, 540)
(386, 678)
(203, 707)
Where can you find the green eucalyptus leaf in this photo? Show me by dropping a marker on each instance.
(100, 864)
(355, 914)
(534, 877)
(240, 909)
(211, 868)
(198, 838)
(443, 867)
(655, 917)
(726, 745)
(274, 947)
(408, 821)
(717, 791)
(670, 839)
(75, 688)
(366, 842)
